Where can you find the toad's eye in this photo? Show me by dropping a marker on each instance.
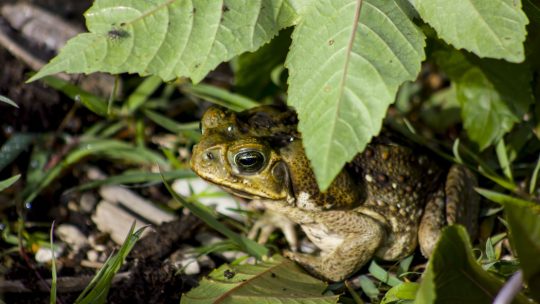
(249, 161)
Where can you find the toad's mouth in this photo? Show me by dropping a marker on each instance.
(240, 193)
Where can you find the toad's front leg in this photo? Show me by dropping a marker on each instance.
(347, 240)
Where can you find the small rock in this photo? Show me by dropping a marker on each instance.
(92, 255)
(186, 260)
(225, 204)
(71, 235)
(134, 202)
(45, 254)
(115, 221)
(88, 202)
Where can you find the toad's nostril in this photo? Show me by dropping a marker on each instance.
(208, 156)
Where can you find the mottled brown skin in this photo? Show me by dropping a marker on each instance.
(386, 200)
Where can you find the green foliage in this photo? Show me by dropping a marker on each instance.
(493, 94)
(252, 71)
(402, 293)
(494, 28)
(523, 220)
(485, 115)
(454, 276)
(346, 61)
(106, 148)
(276, 280)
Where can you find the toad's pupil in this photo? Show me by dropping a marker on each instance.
(249, 161)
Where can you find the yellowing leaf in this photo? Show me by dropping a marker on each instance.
(276, 280)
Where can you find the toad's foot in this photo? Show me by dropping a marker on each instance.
(458, 203)
(355, 237)
(271, 221)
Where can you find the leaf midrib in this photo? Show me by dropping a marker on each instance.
(344, 77)
(481, 17)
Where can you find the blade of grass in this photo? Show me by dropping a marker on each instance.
(502, 156)
(404, 265)
(142, 92)
(486, 171)
(112, 129)
(96, 147)
(199, 210)
(8, 101)
(455, 150)
(369, 288)
(170, 124)
(8, 182)
(171, 157)
(90, 101)
(534, 176)
(219, 96)
(189, 130)
(53, 267)
(98, 288)
(13, 147)
(382, 275)
(113, 94)
(356, 297)
(500, 198)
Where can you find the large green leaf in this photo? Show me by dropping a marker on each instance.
(488, 28)
(523, 219)
(169, 38)
(276, 280)
(493, 94)
(347, 59)
(485, 115)
(252, 70)
(454, 276)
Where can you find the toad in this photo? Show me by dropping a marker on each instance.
(386, 201)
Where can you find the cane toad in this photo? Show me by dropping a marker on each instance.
(384, 202)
